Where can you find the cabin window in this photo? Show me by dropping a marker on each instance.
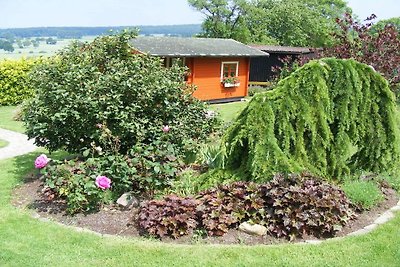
(229, 69)
(170, 61)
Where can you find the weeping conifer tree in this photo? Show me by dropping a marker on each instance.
(331, 117)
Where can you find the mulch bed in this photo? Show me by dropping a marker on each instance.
(115, 221)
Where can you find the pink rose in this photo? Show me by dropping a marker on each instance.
(166, 129)
(41, 161)
(103, 182)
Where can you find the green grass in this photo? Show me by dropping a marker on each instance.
(6, 119)
(363, 193)
(3, 143)
(229, 111)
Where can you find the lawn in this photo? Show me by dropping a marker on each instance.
(229, 111)
(25, 241)
(6, 121)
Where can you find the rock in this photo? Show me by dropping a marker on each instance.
(384, 217)
(128, 201)
(360, 232)
(253, 229)
(314, 241)
(371, 227)
(395, 208)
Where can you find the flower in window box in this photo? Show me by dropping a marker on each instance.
(231, 81)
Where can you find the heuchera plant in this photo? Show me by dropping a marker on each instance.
(289, 206)
(171, 216)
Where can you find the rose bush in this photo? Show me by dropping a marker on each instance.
(91, 85)
(103, 182)
(41, 161)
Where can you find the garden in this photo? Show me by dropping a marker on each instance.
(127, 151)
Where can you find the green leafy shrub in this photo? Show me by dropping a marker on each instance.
(302, 204)
(14, 82)
(75, 183)
(224, 207)
(142, 171)
(104, 83)
(172, 216)
(320, 118)
(156, 165)
(364, 194)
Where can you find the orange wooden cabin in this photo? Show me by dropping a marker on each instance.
(219, 68)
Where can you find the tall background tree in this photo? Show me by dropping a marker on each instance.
(285, 22)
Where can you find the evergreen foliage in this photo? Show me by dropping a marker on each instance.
(331, 117)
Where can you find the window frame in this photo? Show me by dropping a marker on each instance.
(226, 63)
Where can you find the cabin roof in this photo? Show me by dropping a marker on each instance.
(283, 49)
(193, 47)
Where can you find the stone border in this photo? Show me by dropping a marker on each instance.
(383, 218)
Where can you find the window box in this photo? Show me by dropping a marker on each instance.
(227, 85)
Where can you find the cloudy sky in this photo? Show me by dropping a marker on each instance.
(34, 13)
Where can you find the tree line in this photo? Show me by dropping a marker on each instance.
(79, 32)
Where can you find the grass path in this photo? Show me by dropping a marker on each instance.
(25, 241)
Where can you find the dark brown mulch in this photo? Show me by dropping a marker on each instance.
(112, 220)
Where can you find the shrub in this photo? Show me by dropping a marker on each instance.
(302, 204)
(104, 83)
(365, 194)
(224, 207)
(144, 169)
(156, 165)
(318, 119)
(75, 183)
(171, 216)
(14, 82)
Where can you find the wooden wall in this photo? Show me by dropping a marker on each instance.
(206, 75)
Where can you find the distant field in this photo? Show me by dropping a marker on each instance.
(42, 50)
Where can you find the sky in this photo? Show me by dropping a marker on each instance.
(36, 13)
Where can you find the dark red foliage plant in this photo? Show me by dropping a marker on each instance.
(171, 216)
(226, 206)
(289, 206)
(296, 205)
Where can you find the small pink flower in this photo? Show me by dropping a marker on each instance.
(41, 161)
(165, 128)
(103, 182)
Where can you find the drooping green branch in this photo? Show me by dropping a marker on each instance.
(331, 117)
